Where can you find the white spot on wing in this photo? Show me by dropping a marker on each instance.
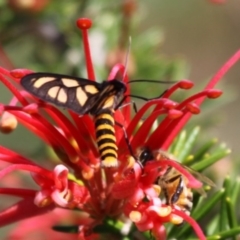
(52, 92)
(62, 96)
(70, 82)
(91, 89)
(81, 96)
(41, 81)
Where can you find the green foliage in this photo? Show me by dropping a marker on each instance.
(217, 213)
(49, 41)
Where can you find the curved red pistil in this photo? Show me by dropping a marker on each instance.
(215, 79)
(192, 222)
(210, 93)
(19, 73)
(84, 24)
(183, 84)
(193, 108)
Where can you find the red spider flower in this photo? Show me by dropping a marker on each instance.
(78, 191)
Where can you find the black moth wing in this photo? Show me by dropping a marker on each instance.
(78, 94)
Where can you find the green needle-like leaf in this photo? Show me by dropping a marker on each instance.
(235, 194)
(225, 234)
(223, 219)
(201, 211)
(198, 198)
(227, 185)
(187, 148)
(200, 154)
(212, 226)
(200, 166)
(179, 144)
(231, 213)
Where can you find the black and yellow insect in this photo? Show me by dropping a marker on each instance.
(173, 183)
(83, 96)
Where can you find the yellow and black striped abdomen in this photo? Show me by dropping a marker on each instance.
(106, 140)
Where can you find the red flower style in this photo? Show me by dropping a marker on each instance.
(81, 183)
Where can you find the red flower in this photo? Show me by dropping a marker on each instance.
(81, 183)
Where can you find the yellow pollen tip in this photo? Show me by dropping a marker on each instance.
(174, 219)
(88, 174)
(157, 189)
(45, 202)
(8, 123)
(164, 211)
(135, 216)
(74, 159)
(131, 162)
(74, 143)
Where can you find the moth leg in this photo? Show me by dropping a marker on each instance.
(126, 104)
(127, 140)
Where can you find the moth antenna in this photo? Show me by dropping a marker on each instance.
(127, 56)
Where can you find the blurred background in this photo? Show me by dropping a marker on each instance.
(171, 40)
